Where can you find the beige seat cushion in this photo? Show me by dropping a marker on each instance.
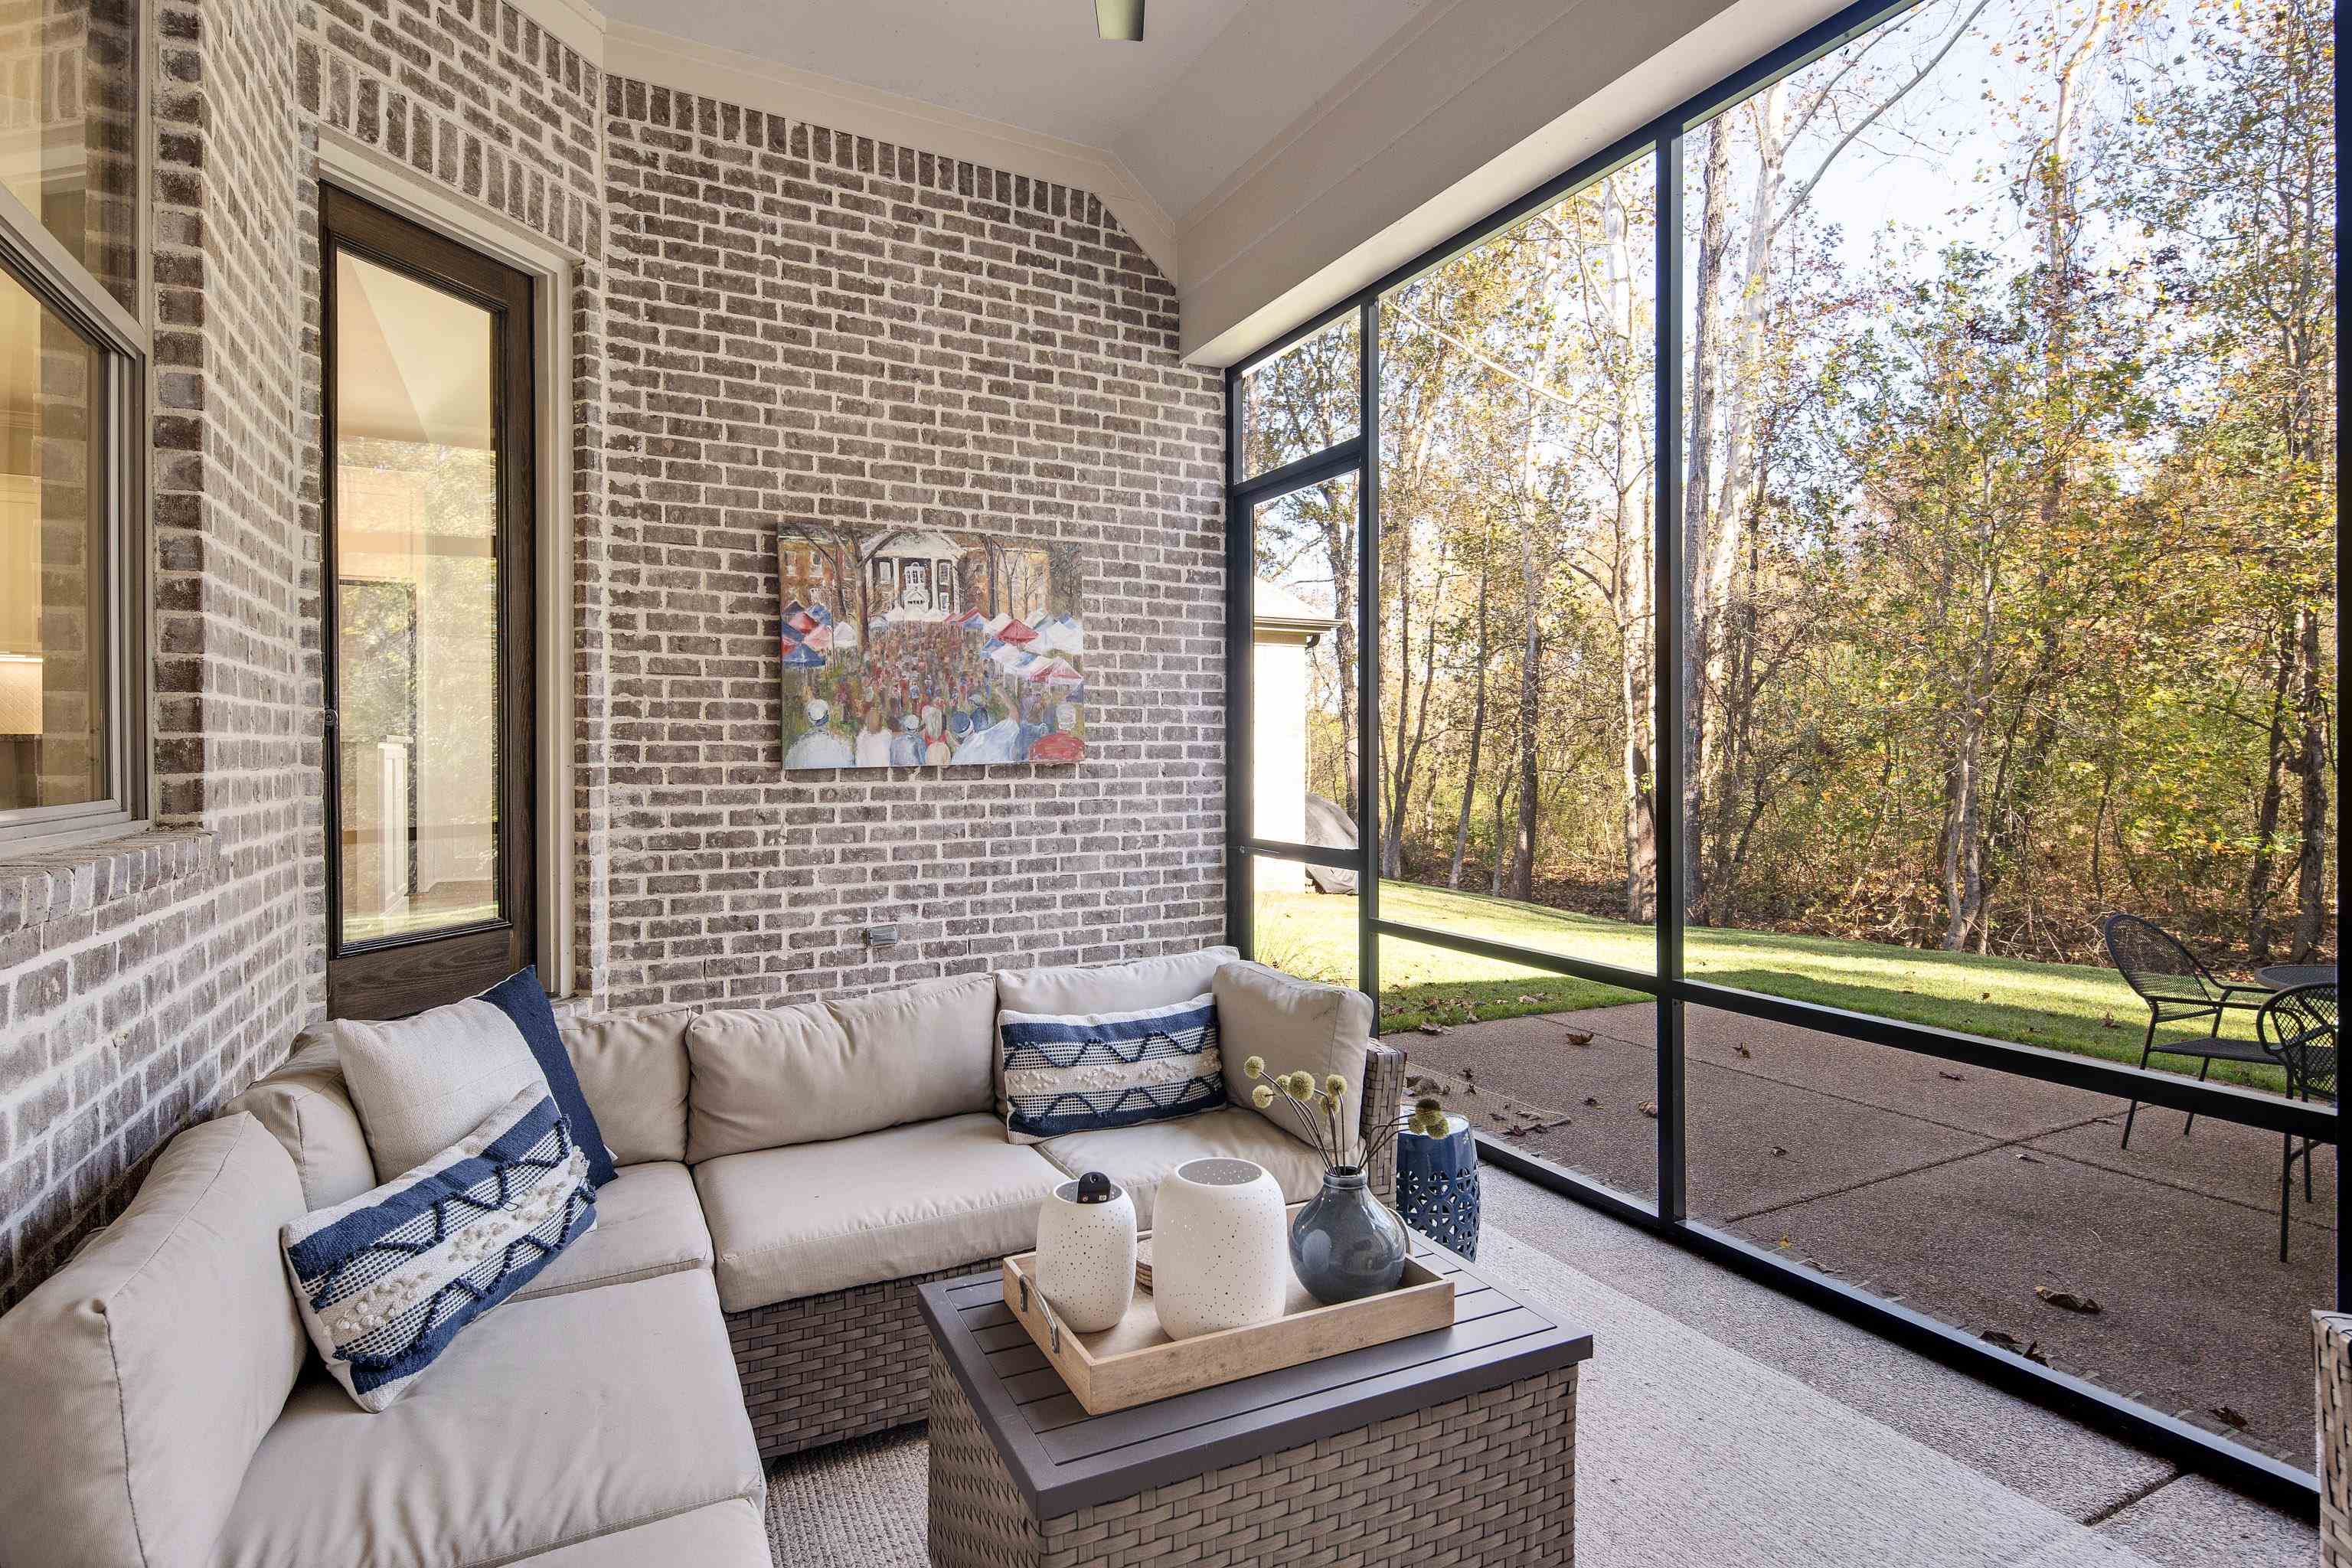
(632, 1068)
(1293, 1024)
(1111, 987)
(422, 1083)
(306, 1107)
(137, 1381)
(1136, 1157)
(649, 1222)
(766, 1079)
(907, 1200)
(546, 1423)
(730, 1534)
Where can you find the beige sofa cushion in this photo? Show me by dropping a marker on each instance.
(306, 1107)
(422, 1083)
(815, 1217)
(939, 1039)
(1111, 987)
(767, 1078)
(761, 1078)
(136, 1381)
(546, 1423)
(649, 1222)
(1137, 1157)
(632, 1068)
(730, 1534)
(1293, 1024)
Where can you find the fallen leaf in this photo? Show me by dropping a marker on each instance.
(1578, 1037)
(2229, 1418)
(1432, 1028)
(2068, 1301)
(1530, 998)
(1778, 1150)
(1743, 1050)
(2107, 1021)
(1987, 996)
(1784, 1241)
(2000, 1341)
(2027, 1158)
(1649, 1108)
(1468, 1073)
(1590, 1100)
(1956, 1077)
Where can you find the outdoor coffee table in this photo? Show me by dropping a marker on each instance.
(1457, 1446)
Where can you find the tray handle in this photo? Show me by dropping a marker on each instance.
(1046, 1307)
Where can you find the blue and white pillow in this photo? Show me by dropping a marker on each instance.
(1094, 1071)
(386, 1280)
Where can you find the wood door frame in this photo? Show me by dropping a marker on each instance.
(404, 975)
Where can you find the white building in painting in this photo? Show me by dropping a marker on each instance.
(1287, 630)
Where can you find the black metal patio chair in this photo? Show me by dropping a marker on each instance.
(2178, 989)
(2297, 1027)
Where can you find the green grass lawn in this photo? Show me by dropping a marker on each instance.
(2062, 1006)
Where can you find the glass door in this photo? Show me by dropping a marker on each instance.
(428, 404)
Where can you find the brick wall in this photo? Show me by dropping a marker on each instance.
(804, 324)
(769, 321)
(142, 982)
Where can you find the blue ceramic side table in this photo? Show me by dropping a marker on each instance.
(1437, 1185)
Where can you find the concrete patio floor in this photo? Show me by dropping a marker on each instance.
(1954, 1190)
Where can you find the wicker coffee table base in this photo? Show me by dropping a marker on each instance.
(1486, 1481)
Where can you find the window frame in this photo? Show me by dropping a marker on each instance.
(122, 412)
(1666, 1214)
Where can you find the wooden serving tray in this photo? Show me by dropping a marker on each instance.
(1133, 1362)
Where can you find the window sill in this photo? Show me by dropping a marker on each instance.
(40, 886)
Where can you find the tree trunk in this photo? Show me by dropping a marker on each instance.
(1697, 492)
(1477, 723)
(1523, 848)
(2266, 809)
(2311, 773)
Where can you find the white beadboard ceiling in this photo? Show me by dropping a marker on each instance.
(1213, 84)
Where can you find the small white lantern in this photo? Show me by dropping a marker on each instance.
(1220, 1247)
(1085, 1252)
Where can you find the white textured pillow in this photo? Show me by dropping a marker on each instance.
(420, 1084)
(1091, 1072)
(386, 1282)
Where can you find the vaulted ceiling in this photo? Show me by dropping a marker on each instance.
(1213, 84)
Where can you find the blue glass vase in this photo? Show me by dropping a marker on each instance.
(1344, 1243)
(1437, 1185)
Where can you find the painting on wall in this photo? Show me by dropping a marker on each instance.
(922, 648)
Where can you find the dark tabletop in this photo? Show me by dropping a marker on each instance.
(1065, 1459)
(2287, 976)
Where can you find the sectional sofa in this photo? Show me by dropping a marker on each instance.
(787, 1178)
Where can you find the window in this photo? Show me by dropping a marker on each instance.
(72, 356)
(1781, 584)
(429, 420)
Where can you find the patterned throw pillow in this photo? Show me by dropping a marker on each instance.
(1098, 1071)
(386, 1280)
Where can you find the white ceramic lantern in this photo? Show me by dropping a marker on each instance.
(1085, 1252)
(1220, 1257)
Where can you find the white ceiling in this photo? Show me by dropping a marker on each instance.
(1213, 83)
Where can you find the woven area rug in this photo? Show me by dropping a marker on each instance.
(861, 1504)
(1687, 1452)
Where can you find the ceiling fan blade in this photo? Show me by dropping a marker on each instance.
(1121, 21)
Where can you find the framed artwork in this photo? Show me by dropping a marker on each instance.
(912, 647)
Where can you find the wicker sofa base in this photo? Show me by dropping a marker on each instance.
(1486, 1481)
(824, 1369)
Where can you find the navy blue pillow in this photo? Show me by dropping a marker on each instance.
(522, 998)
